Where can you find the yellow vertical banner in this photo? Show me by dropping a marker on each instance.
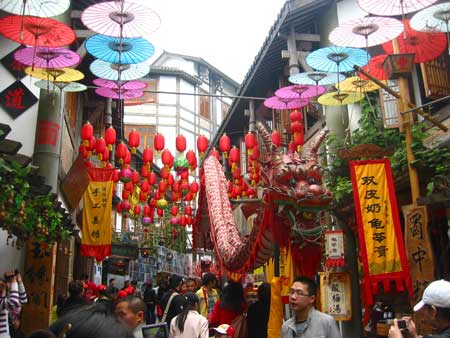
(97, 206)
(380, 236)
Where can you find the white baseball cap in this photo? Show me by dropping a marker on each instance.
(224, 329)
(437, 294)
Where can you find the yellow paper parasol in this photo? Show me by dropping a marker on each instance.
(340, 98)
(59, 75)
(357, 84)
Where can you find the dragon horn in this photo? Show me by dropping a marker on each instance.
(267, 141)
(313, 147)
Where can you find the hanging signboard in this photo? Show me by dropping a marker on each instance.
(336, 295)
(334, 248)
(380, 236)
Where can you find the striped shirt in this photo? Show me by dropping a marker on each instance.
(10, 302)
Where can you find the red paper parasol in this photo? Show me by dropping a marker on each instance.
(114, 93)
(276, 102)
(375, 68)
(366, 32)
(426, 46)
(393, 7)
(37, 32)
(125, 85)
(45, 57)
(299, 92)
(120, 18)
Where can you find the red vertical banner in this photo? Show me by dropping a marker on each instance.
(97, 206)
(380, 236)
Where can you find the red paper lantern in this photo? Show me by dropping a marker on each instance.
(135, 177)
(176, 187)
(202, 145)
(116, 176)
(158, 142)
(166, 158)
(250, 141)
(147, 210)
(225, 145)
(142, 196)
(162, 187)
(188, 210)
(276, 138)
(87, 131)
(137, 210)
(292, 147)
(184, 174)
(83, 151)
(299, 139)
(255, 154)
(144, 171)
(183, 221)
(125, 194)
(144, 185)
(296, 127)
(110, 137)
(192, 159)
(189, 196)
(215, 153)
(194, 187)
(147, 156)
(180, 143)
(129, 186)
(133, 140)
(160, 212)
(164, 173)
(152, 178)
(105, 156)
(170, 180)
(234, 158)
(189, 220)
(100, 146)
(127, 159)
(126, 205)
(174, 210)
(92, 143)
(121, 151)
(296, 116)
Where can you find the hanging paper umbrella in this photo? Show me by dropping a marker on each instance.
(337, 59)
(375, 68)
(116, 50)
(41, 8)
(426, 46)
(120, 18)
(299, 92)
(63, 86)
(110, 71)
(393, 7)
(36, 32)
(114, 93)
(276, 102)
(58, 75)
(339, 98)
(46, 57)
(357, 84)
(126, 85)
(433, 19)
(316, 78)
(366, 32)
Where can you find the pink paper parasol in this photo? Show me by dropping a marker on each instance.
(375, 68)
(299, 92)
(393, 7)
(276, 102)
(121, 19)
(114, 93)
(125, 85)
(366, 32)
(426, 46)
(36, 32)
(45, 57)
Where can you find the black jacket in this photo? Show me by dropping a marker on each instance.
(257, 319)
(175, 307)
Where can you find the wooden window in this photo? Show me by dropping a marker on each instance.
(435, 77)
(146, 132)
(205, 107)
(389, 105)
(71, 108)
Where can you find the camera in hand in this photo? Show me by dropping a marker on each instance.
(402, 325)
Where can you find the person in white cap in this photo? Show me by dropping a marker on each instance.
(223, 331)
(435, 304)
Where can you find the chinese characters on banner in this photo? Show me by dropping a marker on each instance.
(39, 280)
(16, 99)
(335, 297)
(334, 248)
(380, 236)
(420, 257)
(97, 207)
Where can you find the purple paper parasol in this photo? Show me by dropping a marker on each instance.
(299, 92)
(114, 93)
(125, 85)
(46, 57)
(276, 102)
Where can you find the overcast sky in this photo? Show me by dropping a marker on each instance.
(227, 33)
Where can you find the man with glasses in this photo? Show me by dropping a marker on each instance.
(307, 321)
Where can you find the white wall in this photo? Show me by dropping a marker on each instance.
(180, 63)
(24, 126)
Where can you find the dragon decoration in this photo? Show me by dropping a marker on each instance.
(289, 210)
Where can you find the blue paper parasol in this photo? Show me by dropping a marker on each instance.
(316, 78)
(110, 71)
(336, 59)
(116, 50)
